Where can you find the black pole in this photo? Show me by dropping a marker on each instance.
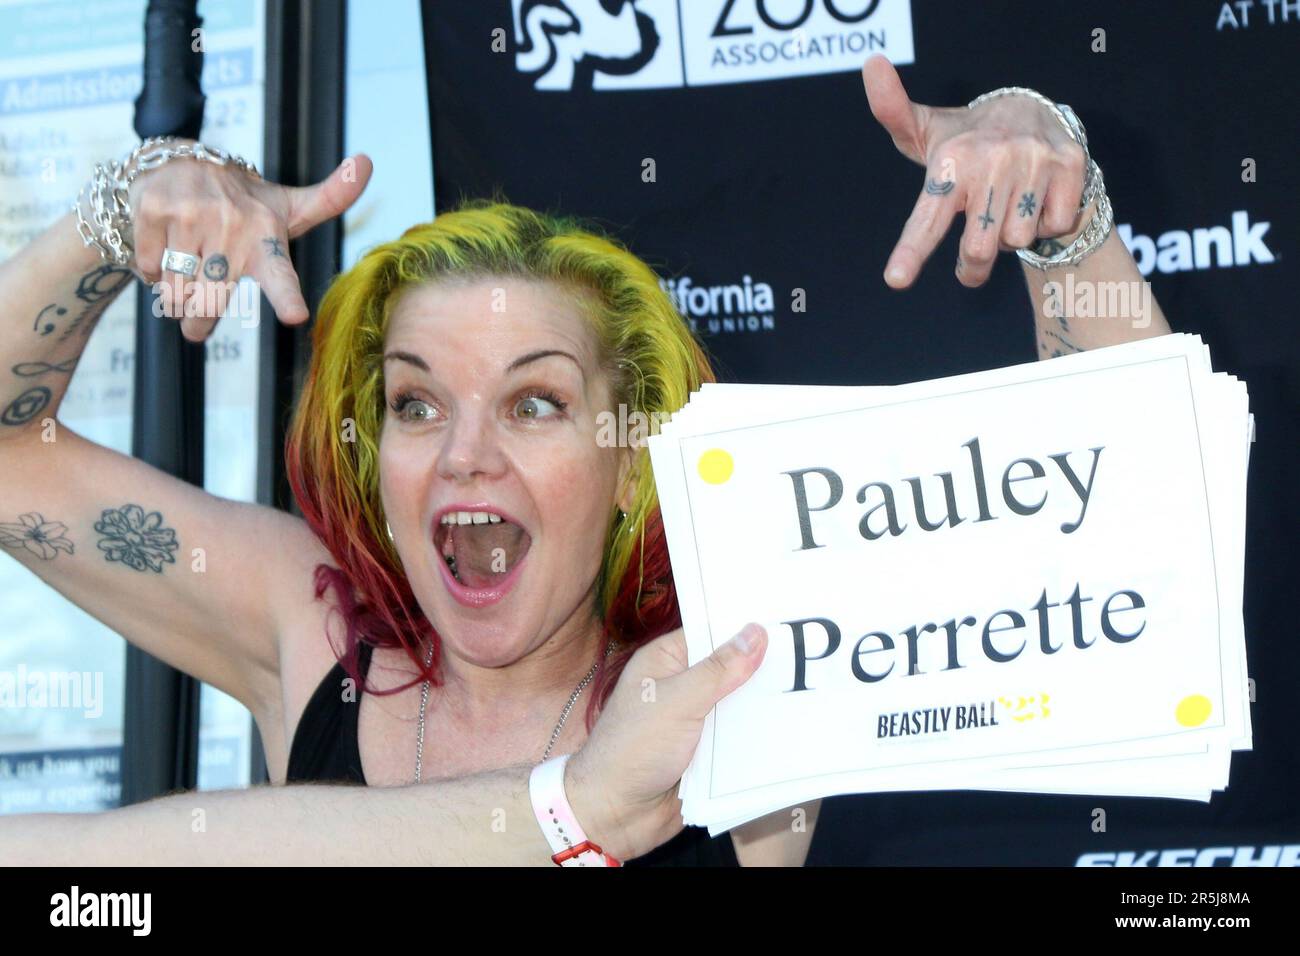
(160, 725)
(305, 57)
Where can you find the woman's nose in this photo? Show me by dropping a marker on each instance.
(471, 448)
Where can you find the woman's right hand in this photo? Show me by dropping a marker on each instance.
(237, 224)
(622, 784)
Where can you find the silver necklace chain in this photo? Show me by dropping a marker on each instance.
(424, 703)
(555, 734)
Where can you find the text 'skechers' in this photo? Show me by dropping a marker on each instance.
(1026, 579)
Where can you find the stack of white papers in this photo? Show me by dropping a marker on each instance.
(1027, 579)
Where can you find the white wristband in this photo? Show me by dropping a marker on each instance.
(556, 818)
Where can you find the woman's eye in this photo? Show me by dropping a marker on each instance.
(412, 410)
(534, 406)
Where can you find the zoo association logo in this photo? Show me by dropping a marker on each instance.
(656, 44)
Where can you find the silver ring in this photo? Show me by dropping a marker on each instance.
(186, 263)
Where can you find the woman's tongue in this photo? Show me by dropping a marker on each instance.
(486, 553)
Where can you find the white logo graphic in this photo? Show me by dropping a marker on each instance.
(745, 307)
(1181, 251)
(1285, 855)
(1235, 14)
(649, 44)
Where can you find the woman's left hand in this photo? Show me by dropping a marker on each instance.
(1008, 164)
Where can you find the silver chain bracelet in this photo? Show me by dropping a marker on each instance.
(1044, 254)
(107, 228)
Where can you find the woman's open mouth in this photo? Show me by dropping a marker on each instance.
(482, 552)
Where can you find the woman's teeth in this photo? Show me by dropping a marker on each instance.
(478, 542)
(466, 517)
(470, 517)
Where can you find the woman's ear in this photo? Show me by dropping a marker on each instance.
(626, 486)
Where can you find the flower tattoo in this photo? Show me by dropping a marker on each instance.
(136, 539)
(42, 538)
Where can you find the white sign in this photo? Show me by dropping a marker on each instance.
(988, 581)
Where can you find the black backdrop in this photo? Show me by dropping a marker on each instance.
(789, 182)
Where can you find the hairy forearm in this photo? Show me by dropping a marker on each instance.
(55, 290)
(483, 820)
(1101, 301)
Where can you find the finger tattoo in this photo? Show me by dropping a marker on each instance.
(274, 246)
(986, 220)
(1027, 205)
(216, 268)
(936, 188)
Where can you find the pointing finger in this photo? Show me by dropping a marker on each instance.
(925, 228)
(275, 274)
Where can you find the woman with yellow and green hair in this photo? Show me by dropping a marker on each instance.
(476, 614)
(450, 450)
(477, 566)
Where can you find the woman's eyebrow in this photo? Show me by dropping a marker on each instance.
(397, 355)
(543, 353)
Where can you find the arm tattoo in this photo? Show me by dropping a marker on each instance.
(1049, 247)
(96, 289)
(273, 246)
(26, 406)
(1027, 205)
(59, 311)
(1058, 310)
(28, 369)
(102, 283)
(986, 220)
(216, 268)
(34, 534)
(136, 539)
(1045, 346)
(936, 188)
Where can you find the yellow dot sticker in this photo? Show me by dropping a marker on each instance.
(1193, 710)
(716, 466)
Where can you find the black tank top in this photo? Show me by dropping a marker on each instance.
(325, 749)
